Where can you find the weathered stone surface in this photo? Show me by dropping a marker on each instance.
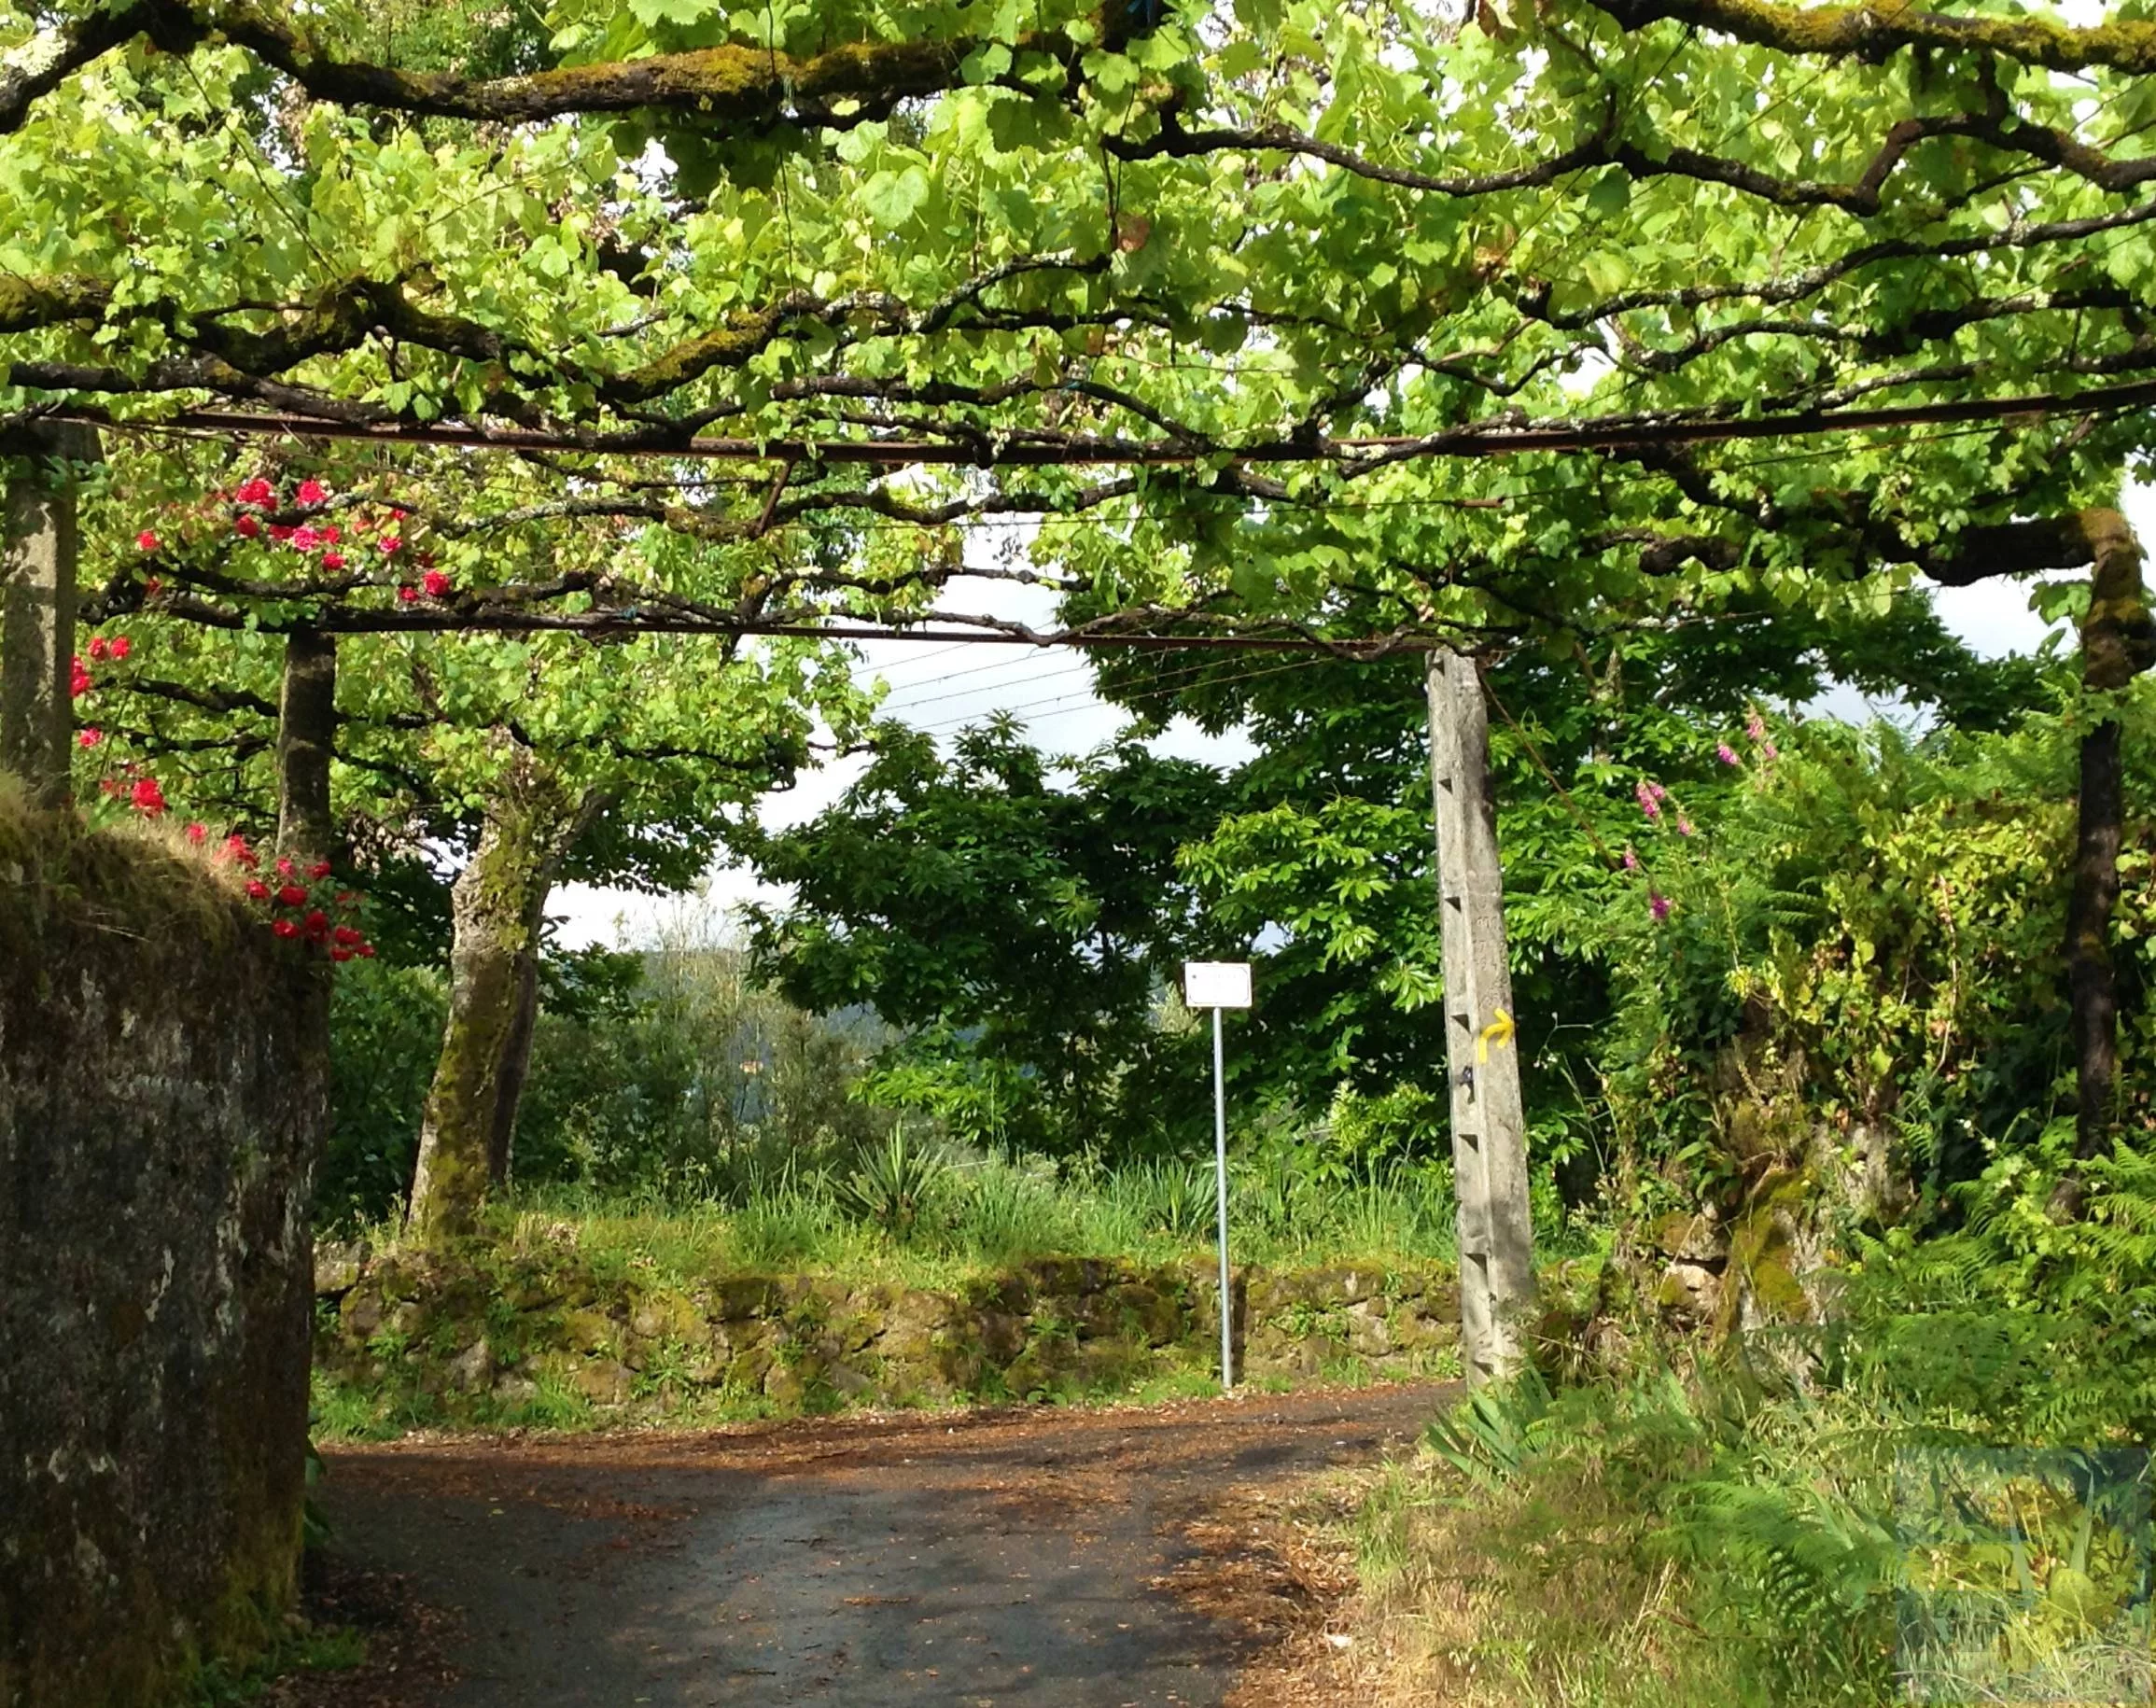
(805, 1342)
(749, 1368)
(668, 1317)
(1415, 1329)
(360, 1315)
(788, 1384)
(1694, 1238)
(163, 1098)
(472, 1369)
(1002, 1335)
(1369, 1333)
(1145, 1313)
(1690, 1292)
(604, 1382)
(590, 1331)
(743, 1296)
(912, 1323)
(338, 1266)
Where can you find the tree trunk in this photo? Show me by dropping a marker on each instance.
(39, 543)
(2118, 643)
(516, 1053)
(498, 908)
(1488, 1116)
(306, 732)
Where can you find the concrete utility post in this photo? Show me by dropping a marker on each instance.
(37, 551)
(1489, 1120)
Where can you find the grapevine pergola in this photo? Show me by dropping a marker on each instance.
(1341, 327)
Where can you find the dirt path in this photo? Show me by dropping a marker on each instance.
(1073, 1559)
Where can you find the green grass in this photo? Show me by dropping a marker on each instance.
(967, 1226)
(336, 1648)
(984, 1214)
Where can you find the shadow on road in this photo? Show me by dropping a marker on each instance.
(1007, 1558)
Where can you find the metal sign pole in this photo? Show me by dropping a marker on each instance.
(1220, 1166)
(1217, 984)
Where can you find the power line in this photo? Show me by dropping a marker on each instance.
(1159, 691)
(1069, 667)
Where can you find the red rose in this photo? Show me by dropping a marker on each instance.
(330, 532)
(332, 560)
(317, 925)
(147, 541)
(88, 738)
(284, 928)
(284, 868)
(406, 595)
(153, 586)
(340, 954)
(347, 936)
(366, 951)
(99, 646)
(148, 797)
(292, 895)
(436, 583)
(388, 542)
(237, 852)
(257, 492)
(305, 539)
(197, 832)
(319, 869)
(121, 646)
(246, 527)
(311, 492)
(79, 682)
(257, 891)
(281, 531)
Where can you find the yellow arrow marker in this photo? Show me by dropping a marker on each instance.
(1499, 1031)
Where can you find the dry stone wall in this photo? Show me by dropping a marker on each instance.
(162, 1100)
(497, 1342)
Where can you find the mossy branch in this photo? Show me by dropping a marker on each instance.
(734, 88)
(1873, 32)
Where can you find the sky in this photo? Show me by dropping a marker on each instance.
(941, 686)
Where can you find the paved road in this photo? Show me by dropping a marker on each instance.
(1004, 1560)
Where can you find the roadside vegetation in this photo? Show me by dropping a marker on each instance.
(1855, 1407)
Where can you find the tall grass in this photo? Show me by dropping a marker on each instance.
(964, 1213)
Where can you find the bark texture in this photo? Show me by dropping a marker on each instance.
(306, 732)
(38, 545)
(498, 908)
(2118, 643)
(1488, 1119)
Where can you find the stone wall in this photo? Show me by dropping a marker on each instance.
(507, 1339)
(162, 1100)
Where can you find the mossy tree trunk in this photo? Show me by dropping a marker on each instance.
(2118, 643)
(306, 734)
(498, 908)
(38, 545)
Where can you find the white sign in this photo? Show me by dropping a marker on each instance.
(1216, 983)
